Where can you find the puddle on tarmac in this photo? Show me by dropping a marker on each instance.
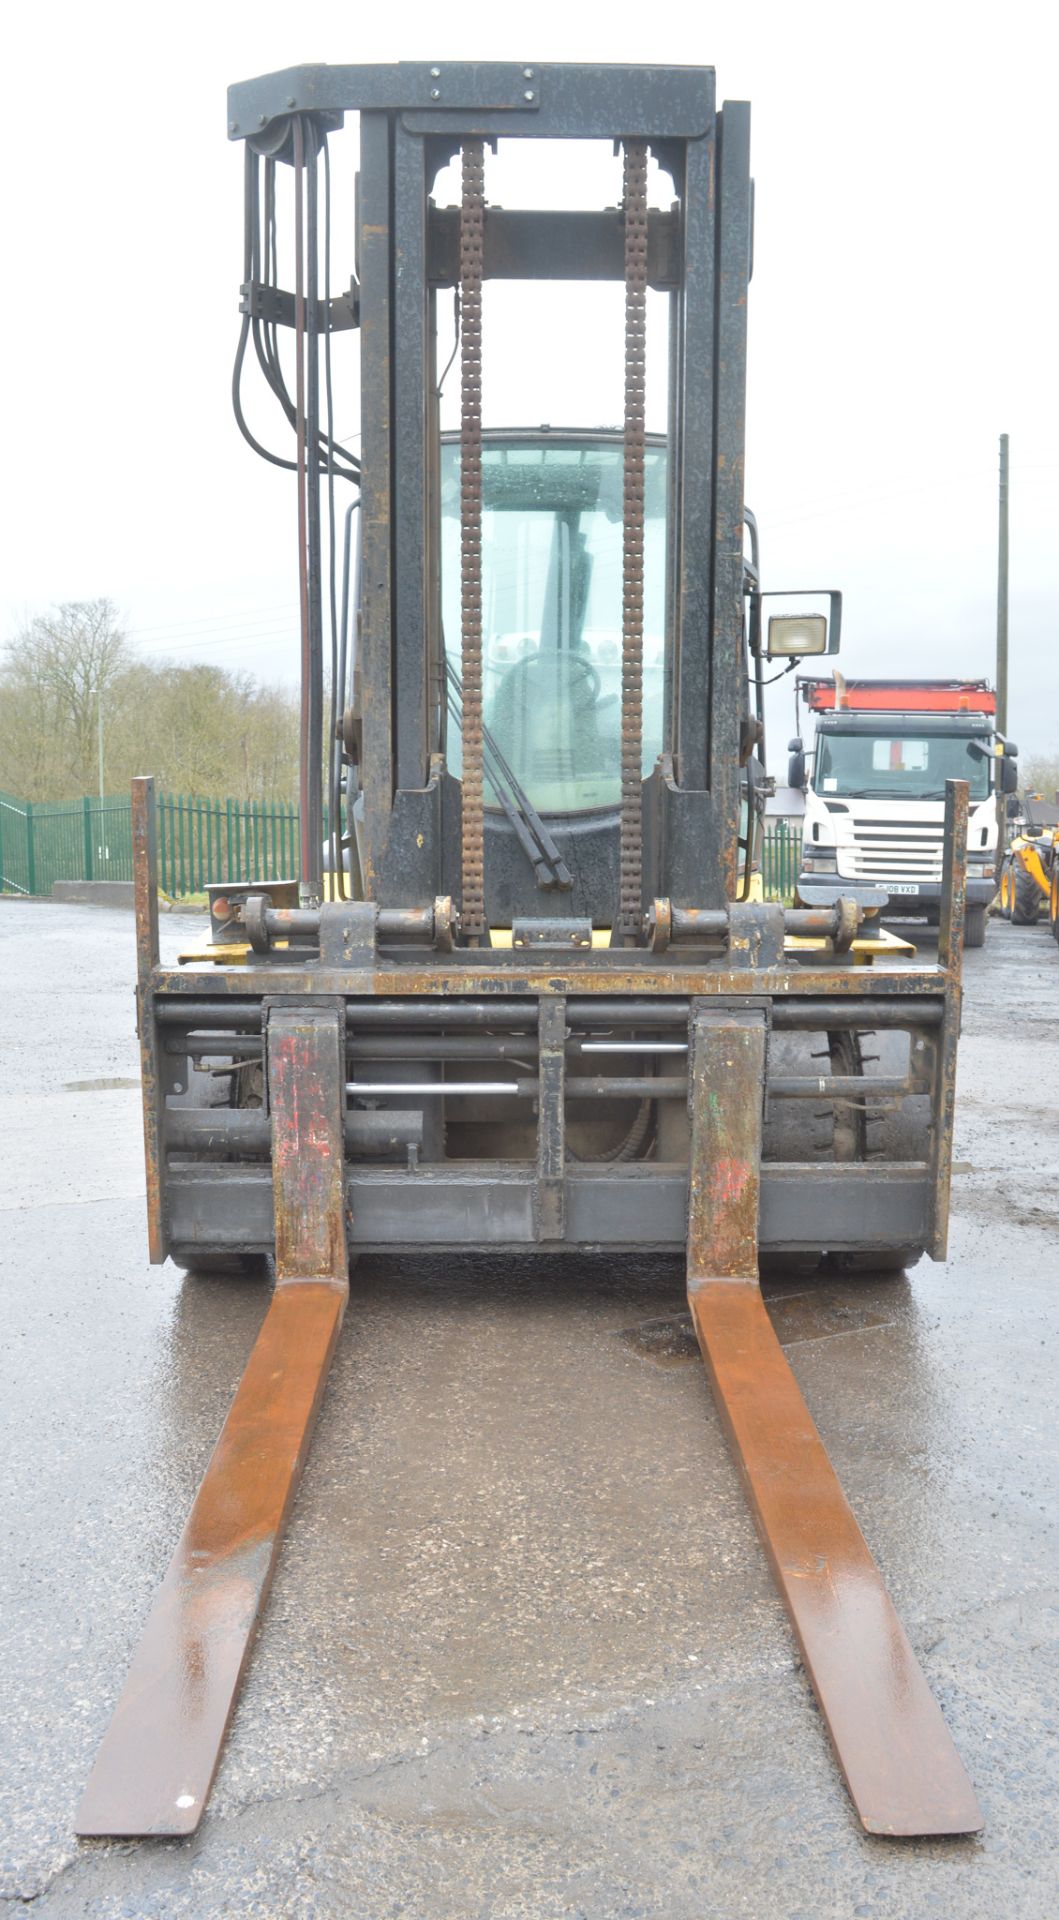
(821, 1314)
(667, 1342)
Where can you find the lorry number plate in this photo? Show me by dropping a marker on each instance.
(894, 886)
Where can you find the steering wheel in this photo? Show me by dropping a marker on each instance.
(578, 660)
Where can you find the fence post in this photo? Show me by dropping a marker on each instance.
(181, 877)
(87, 809)
(31, 862)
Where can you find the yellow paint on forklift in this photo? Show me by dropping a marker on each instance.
(864, 949)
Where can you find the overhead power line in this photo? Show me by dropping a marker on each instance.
(215, 622)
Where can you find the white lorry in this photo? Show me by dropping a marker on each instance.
(874, 787)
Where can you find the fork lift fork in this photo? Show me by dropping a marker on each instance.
(433, 993)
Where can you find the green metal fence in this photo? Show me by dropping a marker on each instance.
(202, 841)
(780, 859)
(199, 841)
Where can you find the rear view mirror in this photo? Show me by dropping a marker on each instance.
(803, 624)
(1009, 776)
(796, 766)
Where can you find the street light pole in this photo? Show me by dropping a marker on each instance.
(99, 729)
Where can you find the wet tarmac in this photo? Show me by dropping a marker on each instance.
(522, 1656)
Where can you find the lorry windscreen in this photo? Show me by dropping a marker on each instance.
(898, 766)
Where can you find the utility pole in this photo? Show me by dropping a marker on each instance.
(1002, 596)
(1002, 651)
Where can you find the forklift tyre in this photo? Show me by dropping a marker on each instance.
(855, 1266)
(219, 1262)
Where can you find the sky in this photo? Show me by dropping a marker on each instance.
(902, 313)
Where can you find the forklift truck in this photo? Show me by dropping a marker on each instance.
(521, 996)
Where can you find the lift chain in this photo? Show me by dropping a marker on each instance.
(472, 225)
(630, 908)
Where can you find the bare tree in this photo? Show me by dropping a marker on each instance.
(1041, 775)
(198, 728)
(62, 671)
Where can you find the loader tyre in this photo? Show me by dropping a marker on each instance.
(974, 927)
(1026, 900)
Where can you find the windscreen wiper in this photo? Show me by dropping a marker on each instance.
(530, 831)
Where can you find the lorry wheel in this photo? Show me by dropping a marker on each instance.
(974, 927)
(1027, 900)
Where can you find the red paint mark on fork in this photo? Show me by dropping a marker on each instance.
(728, 1180)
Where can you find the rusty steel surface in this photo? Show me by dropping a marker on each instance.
(306, 1074)
(953, 875)
(472, 221)
(473, 976)
(893, 1746)
(154, 1770)
(145, 898)
(630, 913)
